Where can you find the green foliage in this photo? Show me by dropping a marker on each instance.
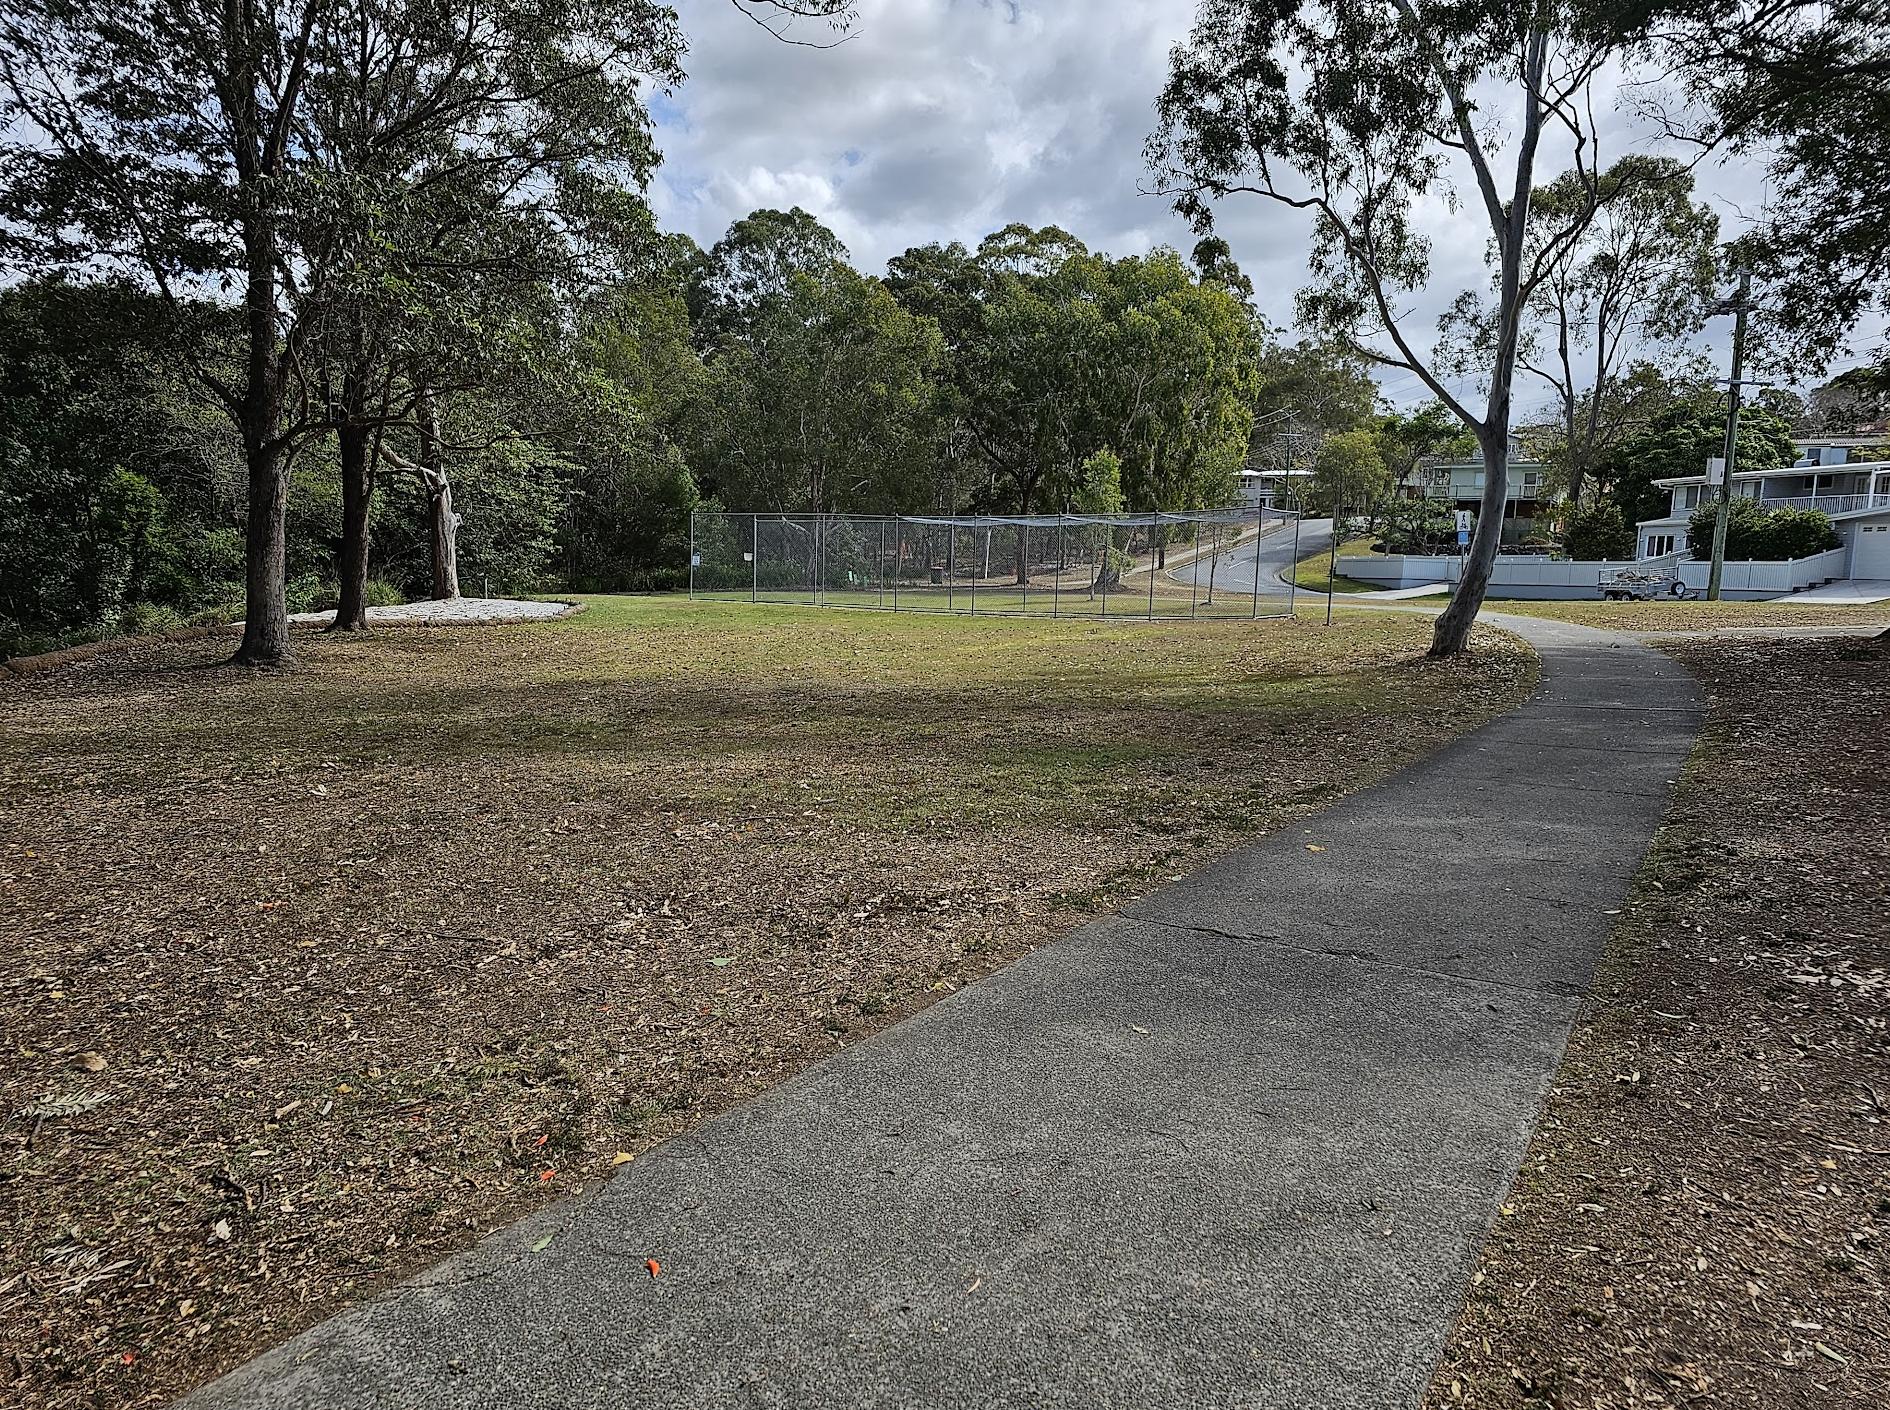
(1098, 490)
(1099, 484)
(1680, 442)
(1755, 532)
(1406, 442)
(1055, 352)
(1800, 87)
(1349, 472)
(114, 495)
(1419, 525)
(826, 398)
(1596, 531)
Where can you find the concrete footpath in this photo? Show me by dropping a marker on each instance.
(1235, 1147)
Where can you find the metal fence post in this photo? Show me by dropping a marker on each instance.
(1259, 528)
(1292, 578)
(1154, 532)
(692, 554)
(1056, 581)
(754, 558)
(1194, 578)
(899, 557)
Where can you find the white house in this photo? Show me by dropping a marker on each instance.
(1460, 484)
(1270, 488)
(1856, 496)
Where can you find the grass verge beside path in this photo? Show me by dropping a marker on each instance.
(1702, 1215)
(1667, 616)
(1313, 572)
(311, 978)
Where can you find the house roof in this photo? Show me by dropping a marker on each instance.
(1671, 521)
(1795, 471)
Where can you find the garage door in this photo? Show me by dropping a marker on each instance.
(1871, 557)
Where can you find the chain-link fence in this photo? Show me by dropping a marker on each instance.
(1204, 563)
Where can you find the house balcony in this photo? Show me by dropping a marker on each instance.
(1832, 504)
(1526, 490)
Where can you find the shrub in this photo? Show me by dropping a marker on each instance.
(1420, 526)
(146, 618)
(380, 594)
(1755, 532)
(308, 593)
(1597, 530)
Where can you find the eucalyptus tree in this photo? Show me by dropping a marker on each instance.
(1801, 87)
(1307, 391)
(176, 141)
(1177, 383)
(475, 170)
(1634, 286)
(820, 391)
(752, 268)
(1357, 111)
(159, 140)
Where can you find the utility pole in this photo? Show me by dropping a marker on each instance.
(1738, 308)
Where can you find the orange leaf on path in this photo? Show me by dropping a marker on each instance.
(653, 1266)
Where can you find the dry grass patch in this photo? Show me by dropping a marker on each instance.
(1700, 615)
(308, 979)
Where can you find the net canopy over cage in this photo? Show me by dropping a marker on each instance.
(1184, 564)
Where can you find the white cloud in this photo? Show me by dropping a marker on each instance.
(947, 119)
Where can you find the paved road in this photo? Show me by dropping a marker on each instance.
(1277, 552)
(1235, 1147)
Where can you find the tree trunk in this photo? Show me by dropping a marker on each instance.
(1454, 622)
(357, 495)
(442, 522)
(445, 536)
(265, 555)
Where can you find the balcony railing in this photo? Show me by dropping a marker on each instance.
(1517, 490)
(1830, 503)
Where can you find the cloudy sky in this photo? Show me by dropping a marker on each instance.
(946, 119)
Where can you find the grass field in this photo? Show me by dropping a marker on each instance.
(309, 978)
(1046, 598)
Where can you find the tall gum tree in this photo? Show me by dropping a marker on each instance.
(158, 139)
(170, 140)
(1357, 111)
(1623, 298)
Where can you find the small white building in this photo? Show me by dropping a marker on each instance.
(1459, 483)
(1855, 496)
(1271, 489)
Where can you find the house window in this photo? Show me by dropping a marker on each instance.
(1658, 545)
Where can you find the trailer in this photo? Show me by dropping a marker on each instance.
(1643, 585)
